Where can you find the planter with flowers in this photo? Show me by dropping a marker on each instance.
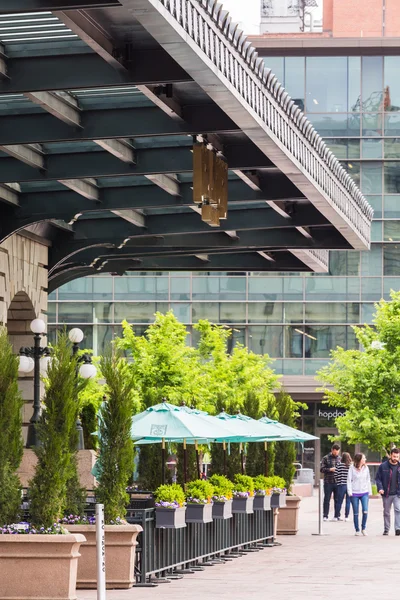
(222, 497)
(278, 491)
(243, 494)
(199, 501)
(262, 493)
(170, 507)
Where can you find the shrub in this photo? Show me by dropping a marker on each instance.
(169, 496)
(244, 484)
(374, 490)
(262, 485)
(199, 492)
(273, 483)
(223, 488)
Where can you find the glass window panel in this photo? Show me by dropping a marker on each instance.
(333, 288)
(353, 169)
(391, 231)
(327, 338)
(389, 284)
(232, 288)
(392, 148)
(392, 177)
(372, 83)
(376, 203)
(344, 148)
(372, 124)
(293, 342)
(222, 288)
(326, 81)
(371, 262)
(367, 313)
(162, 307)
(391, 260)
(293, 312)
(391, 207)
(206, 310)
(295, 79)
(292, 367)
(335, 125)
(276, 64)
(372, 148)
(103, 312)
(88, 288)
(87, 342)
(266, 340)
(232, 312)
(181, 311)
(344, 262)
(268, 312)
(332, 312)
(354, 83)
(53, 295)
(135, 312)
(81, 312)
(293, 288)
(265, 288)
(376, 231)
(102, 337)
(52, 312)
(141, 288)
(392, 124)
(312, 366)
(180, 288)
(371, 289)
(392, 83)
(238, 336)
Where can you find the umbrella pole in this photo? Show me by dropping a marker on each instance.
(266, 458)
(163, 461)
(242, 458)
(197, 460)
(184, 462)
(224, 446)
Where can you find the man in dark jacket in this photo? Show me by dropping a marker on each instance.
(328, 466)
(388, 484)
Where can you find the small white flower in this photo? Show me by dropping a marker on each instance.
(377, 345)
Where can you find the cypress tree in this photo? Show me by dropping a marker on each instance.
(11, 445)
(286, 451)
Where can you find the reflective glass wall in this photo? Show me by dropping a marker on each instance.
(354, 102)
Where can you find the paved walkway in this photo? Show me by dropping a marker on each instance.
(305, 567)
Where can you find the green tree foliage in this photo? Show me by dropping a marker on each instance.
(116, 446)
(56, 431)
(11, 445)
(367, 383)
(90, 400)
(288, 412)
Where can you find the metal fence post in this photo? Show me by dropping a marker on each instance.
(320, 508)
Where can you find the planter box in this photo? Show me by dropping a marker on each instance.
(278, 500)
(243, 505)
(120, 556)
(222, 510)
(288, 517)
(262, 502)
(41, 567)
(170, 518)
(199, 513)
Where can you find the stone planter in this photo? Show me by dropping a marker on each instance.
(262, 502)
(222, 510)
(288, 517)
(41, 567)
(199, 513)
(243, 505)
(170, 518)
(120, 556)
(278, 500)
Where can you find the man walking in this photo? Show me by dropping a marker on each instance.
(388, 484)
(328, 466)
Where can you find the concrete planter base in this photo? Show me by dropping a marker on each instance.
(39, 567)
(288, 517)
(120, 556)
(262, 502)
(243, 505)
(222, 510)
(199, 513)
(170, 518)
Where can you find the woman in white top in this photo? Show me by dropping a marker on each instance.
(359, 489)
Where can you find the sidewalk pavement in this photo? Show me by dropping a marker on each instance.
(305, 567)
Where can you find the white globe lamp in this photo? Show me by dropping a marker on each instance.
(26, 364)
(38, 326)
(87, 371)
(44, 364)
(76, 335)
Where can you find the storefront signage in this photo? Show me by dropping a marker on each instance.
(328, 412)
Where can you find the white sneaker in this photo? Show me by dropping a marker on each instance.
(357, 533)
(326, 519)
(364, 532)
(334, 519)
(347, 519)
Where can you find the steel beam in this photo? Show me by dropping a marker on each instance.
(63, 107)
(168, 183)
(23, 6)
(29, 154)
(9, 193)
(84, 187)
(120, 148)
(132, 216)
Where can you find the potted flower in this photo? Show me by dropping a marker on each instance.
(114, 470)
(222, 497)
(243, 494)
(262, 493)
(170, 506)
(199, 501)
(277, 486)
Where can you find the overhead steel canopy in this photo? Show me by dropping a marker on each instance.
(101, 102)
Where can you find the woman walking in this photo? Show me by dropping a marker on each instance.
(359, 488)
(341, 473)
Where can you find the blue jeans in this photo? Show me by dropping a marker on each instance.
(355, 501)
(341, 493)
(329, 489)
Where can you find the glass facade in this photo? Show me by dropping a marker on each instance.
(354, 103)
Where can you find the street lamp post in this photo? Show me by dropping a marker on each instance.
(34, 358)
